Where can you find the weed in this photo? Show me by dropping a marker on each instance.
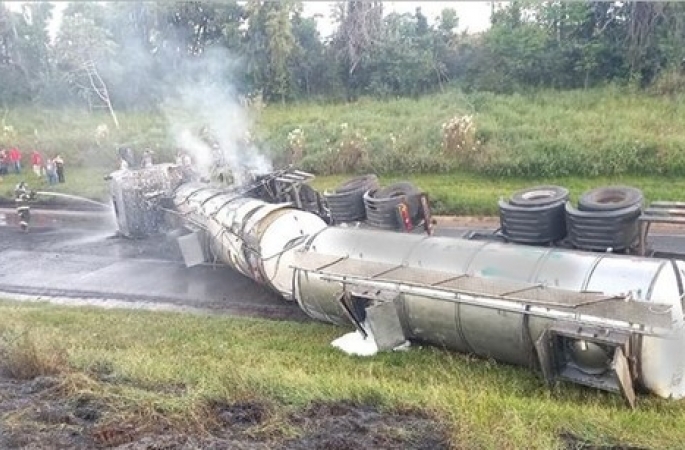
(459, 139)
(605, 131)
(22, 358)
(296, 146)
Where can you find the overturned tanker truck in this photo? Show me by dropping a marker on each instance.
(368, 256)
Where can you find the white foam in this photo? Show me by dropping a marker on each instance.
(355, 344)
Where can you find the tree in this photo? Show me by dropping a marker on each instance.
(359, 29)
(24, 51)
(82, 45)
(310, 69)
(271, 45)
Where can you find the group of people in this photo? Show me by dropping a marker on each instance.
(51, 168)
(10, 161)
(127, 159)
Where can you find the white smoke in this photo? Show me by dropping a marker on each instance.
(202, 97)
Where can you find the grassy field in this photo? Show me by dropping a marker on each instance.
(81, 181)
(579, 139)
(182, 362)
(608, 131)
(172, 365)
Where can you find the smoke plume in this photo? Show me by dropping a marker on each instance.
(206, 118)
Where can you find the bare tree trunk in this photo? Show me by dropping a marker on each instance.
(101, 90)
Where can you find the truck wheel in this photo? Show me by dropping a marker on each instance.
(346, 202)
(610, 198)
(539, 196)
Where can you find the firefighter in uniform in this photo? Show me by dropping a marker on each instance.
(22, 196)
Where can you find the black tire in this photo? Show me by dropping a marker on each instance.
(402, 188)
(346, 203)
(310, 199)
(364, 182)
(610, 198)
(539, 196)
(601, 230)
(535, 225)
(381, 204)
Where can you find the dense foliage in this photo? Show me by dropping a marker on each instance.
(113, 55)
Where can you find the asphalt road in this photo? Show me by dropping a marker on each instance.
(79, 256)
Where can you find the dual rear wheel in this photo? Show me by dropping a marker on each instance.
(606, 217)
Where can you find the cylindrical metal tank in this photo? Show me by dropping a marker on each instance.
(498, 333)
(260, 239)
(251, 236)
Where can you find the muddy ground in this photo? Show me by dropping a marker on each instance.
(33, 415)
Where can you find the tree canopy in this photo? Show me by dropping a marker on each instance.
(116, 53)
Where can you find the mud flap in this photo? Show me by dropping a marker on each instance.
(384, 321)
(557, 362)
(544, 347)
(622, 371)
(192, 249)
(375, 314)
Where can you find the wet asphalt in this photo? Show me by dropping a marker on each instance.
(79, 255)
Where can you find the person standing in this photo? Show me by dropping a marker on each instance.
(4, 162)
(37, 163)
(59, 167)
(146, 160)
(15, 158)
(51, 171)
(23, 195)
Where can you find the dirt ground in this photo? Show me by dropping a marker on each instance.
(34, 416)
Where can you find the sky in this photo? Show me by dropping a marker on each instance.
(474, 16)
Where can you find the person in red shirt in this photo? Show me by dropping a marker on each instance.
(37, 163)
(15, 158)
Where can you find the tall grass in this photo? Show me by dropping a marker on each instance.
(580, 138)
(602, 131)
(605, 131)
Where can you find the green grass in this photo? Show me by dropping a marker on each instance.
(486, 405)
(603, 131)
(459, 193)
(608, 131)
(82, 181)
(464, 193)
(72, 133)
(579, 139)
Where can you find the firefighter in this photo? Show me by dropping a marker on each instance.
(23, 195)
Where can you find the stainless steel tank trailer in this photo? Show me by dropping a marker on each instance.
(606, 320)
